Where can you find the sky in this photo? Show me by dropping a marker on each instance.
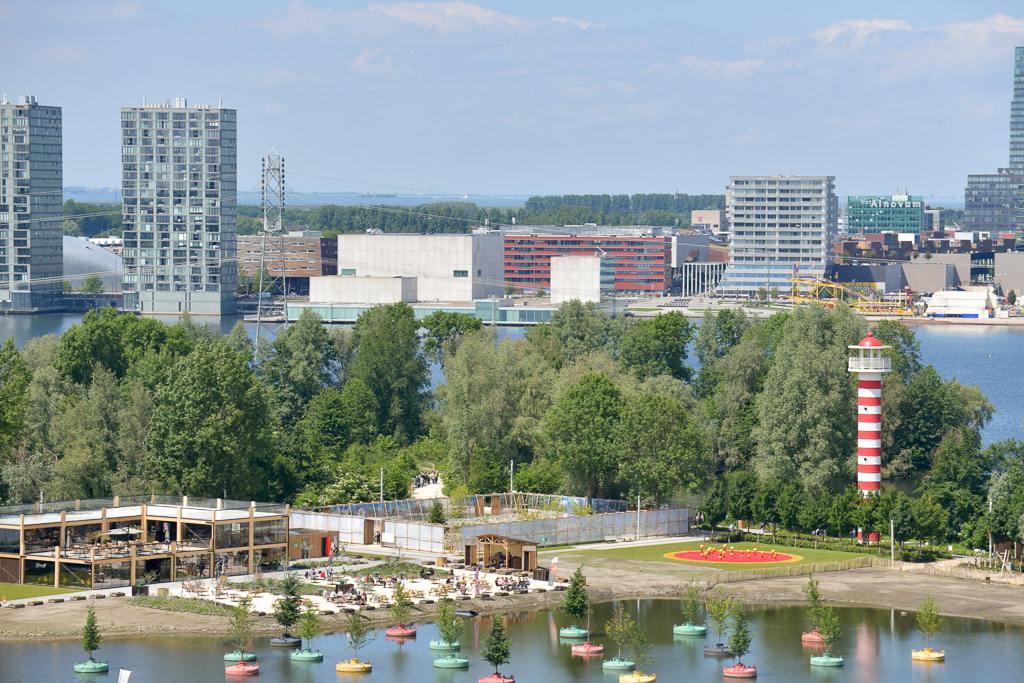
(540, 97)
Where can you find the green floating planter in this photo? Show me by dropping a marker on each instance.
(826, 659)
(92, 667)
(618, 664)
(307, 655)
(573, 632)
(443, 646)
(451, 662)
(689, 629)
(239, 656)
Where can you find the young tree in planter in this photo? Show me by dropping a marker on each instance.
(639, 647)
(739, 635)
(828, 626)
(91, 637)
(448, 624)
(576, 603)
(310, 626)
(437, 514)
(813, 608)
(356, 634)
(287, 609)
(928, 620)
(241, 624)
(401, 605)
(690, 602)
(498, 645)
(718, 610)
(620, 626)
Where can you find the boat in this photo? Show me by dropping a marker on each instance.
(587, 649)
(812, 637)
(826, 659)
(92, 667)
(928, 655)
(353, 666)
(573, 631)
(637, 677)
(239, 656)
(242, 669)
(451, 661)
(739, 671)
(618, 664)
(286, 640)
(445, 646)
(689, 629)
(400, 631)
(307, 655)
(468, 613)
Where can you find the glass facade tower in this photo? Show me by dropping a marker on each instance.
(31, 202)
(179, 207)
(890, 213)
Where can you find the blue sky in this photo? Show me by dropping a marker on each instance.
(541, 97)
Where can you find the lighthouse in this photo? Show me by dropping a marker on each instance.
(870, 365)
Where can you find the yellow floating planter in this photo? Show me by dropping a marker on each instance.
(637, 677)
(353, 666)
(928, 655)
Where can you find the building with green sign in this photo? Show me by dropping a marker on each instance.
(885, 213)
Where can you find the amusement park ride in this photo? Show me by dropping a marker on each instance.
(814, 289)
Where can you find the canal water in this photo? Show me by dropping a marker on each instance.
(875, 643)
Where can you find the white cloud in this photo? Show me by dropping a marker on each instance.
(373, 62)
(859, 31)
(299, 19)
(731, 67)
(582, 25)
(123, 10)
(446, 16)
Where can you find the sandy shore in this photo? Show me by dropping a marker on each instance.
(607, 579)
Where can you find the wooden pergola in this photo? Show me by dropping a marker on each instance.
(488, 545)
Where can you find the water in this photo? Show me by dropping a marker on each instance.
(875, 643)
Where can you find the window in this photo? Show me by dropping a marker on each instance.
(460, 273)
(348, 271)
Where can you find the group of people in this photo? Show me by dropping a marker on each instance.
(426, 478)
(354, 596)
(322, 574)
(513, 584)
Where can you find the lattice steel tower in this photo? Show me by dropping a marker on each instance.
(273, 190)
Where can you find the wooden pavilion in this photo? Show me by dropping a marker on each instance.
(502, 552)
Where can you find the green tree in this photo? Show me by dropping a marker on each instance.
(14, 395)
(576, 601)
(657, 347)
(929, 622)
(814, 513)
(301, 362)
(1011, 297)
(388, 360)
(740, 636)
(401, 605)
(71, 228)
(511, 289)
(661, 448)
(762, 295)
(715, 505)
(929, 517)
(66, 287)
(288, 606)
(579, 329)
(444, 332)
(906, 348)
(829, 627)
(310, 626)
(449, 625)
(717, 335)
(690, 601)
(497, 646)
(814, 604)
(842, 511)
(619, 626)
(357, 633)
(540, 476)
(241, 624)
(718, 610)
(93, 285)
(581, 428)
(639, 647)
(91, 637)
(437, 514)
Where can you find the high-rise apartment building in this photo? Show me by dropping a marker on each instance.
(179, 183)
(779, 226)
(31, 198)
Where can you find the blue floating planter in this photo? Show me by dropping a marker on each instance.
(307, 655)
(618, 664)
(689, 629)
(239, 656)
(451, 662)
(826, 659)
(92, 667)
(573, 632)
(285, 641)
(443, 646)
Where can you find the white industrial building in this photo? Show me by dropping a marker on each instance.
(349, 289)
(589, 279)
(975, 302)
(447, 268)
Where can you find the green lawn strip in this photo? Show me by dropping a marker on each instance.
(18, 591)
(656, 553)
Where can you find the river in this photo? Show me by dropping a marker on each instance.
(875, 643)
(974, 354)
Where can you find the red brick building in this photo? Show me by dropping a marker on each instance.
(306, 254)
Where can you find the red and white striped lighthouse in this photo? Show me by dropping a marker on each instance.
(870, 365)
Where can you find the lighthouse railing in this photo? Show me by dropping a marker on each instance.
(867, 364)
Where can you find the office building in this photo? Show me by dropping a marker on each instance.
(934, 220)
(886, 213)
(447, 268)
(179, 182)
(780, 226)
(307, 253)
(590, 279)
(31, 199)
(990, 202)
(715, 221)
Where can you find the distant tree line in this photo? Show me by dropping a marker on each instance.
(95, 225)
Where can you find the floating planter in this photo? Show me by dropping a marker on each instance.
(353, 666)
(92, 667)
(573, 631)
(286, 641)
(451, 661)
(465, 612)
(740, 671)
(242, 669)
(618, 664)
(717, 650)
(928, 655)
(813, 637)
(497, 678)
(826, 659)
(689, 629)
(637, 677)
(587, 649)
(307, 655)
(444, 646)
(400, 631)
(239, 656)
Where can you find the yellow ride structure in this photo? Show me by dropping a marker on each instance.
(813, 289)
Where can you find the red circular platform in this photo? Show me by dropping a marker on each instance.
(744, 556)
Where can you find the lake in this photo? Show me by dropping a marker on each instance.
(875, 643)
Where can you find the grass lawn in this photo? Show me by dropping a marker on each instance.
(18, 591)
(656, 553)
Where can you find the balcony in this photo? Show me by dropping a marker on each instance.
(869, 364)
